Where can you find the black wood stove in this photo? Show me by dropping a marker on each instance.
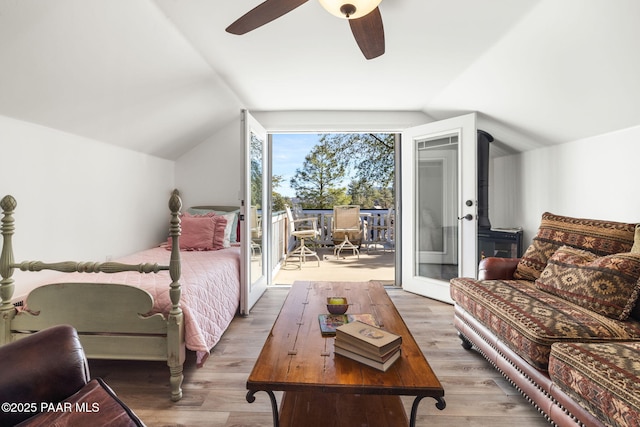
(504, 243)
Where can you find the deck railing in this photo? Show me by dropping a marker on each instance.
(279, 237)
(375, 229)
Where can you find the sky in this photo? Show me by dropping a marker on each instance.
(288, 152)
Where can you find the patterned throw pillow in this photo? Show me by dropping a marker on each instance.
(599, 237)
(606, 285)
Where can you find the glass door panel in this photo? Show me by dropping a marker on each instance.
(436, 208)
(254, 210)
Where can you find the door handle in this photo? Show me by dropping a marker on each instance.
(468, 217)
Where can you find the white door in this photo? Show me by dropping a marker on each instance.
(254, 213)
(439, 194)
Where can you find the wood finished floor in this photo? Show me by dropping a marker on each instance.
(214, 395)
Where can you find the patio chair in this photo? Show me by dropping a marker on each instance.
(256, 232)
(346, 228)
(301, 229)
(383, 231)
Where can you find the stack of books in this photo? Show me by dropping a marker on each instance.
(330, 322)
(367, 344)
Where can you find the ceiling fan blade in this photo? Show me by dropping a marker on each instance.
(369, 33)
(262, 14)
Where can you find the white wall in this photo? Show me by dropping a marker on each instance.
(589, 178)
(210, 173)
(79, 199)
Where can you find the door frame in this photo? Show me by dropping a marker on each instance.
(465, 127)
(401, 210)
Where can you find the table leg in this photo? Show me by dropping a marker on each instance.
(440, 404)
(274, 404)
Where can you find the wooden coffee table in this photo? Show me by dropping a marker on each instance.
(321, 388)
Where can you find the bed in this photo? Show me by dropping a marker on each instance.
(152, 305)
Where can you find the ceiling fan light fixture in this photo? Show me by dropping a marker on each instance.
(349, 9)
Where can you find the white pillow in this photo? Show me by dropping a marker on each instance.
(227, 230)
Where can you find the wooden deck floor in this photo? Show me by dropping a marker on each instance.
(214, 395)
(374, 265)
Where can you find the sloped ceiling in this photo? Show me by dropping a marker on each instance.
(162, 76)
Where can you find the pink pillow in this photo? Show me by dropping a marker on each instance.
(197, 233)
(201, 232)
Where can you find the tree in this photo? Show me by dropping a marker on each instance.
(360, 193)
(317, 182)
(370, 155)
(363, 194)
(256, 171)
(279, 201)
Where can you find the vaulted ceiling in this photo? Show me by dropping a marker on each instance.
(161, 76)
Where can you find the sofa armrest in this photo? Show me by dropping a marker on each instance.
(96, 404)
(48, 366)
(493, 268)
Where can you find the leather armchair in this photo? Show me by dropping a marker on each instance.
(44, 380)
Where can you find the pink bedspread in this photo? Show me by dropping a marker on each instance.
(210, 282)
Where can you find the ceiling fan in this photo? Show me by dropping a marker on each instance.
(363, 15)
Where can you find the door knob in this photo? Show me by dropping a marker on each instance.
(468, 217)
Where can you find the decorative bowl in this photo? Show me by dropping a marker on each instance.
(337, 305)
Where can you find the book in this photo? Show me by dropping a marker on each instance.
(346, 345)
(365, 349)
(382, 366)
(368, 337)
(329, 322)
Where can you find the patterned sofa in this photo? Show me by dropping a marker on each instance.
(563, 323)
